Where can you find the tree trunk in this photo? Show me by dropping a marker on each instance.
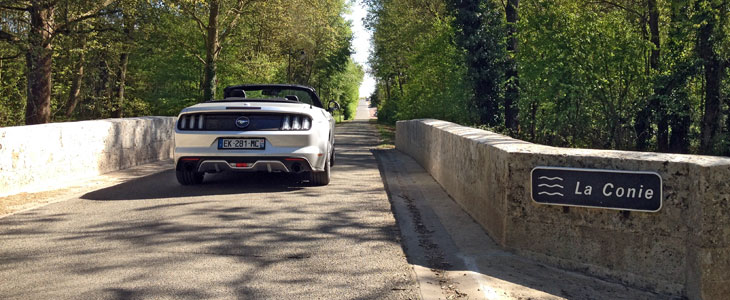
(75, 91)
(642, 126)
(288, 67)
(654, 31)
(118, 106)
(657, 104)
(212, 46)
(679, 140)
(713, 75)
(28, 66)
(101, 92)
(387, 89)
(533, 120)
(656, 109)
(399, 79)
(39, 60)
(727, 123)
(679, 118)
(662, 134)
(512, 92)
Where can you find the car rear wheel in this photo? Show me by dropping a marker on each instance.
(332, 159)
(187, 176)
(321, 178)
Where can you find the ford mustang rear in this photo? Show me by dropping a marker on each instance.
(256, 128)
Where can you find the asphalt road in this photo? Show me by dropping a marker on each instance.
(364, 112)
(235, 236)
(132, 235)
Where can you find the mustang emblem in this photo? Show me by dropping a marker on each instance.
(242, 122)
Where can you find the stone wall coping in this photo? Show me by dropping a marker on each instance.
(513, 145)
(84, 122)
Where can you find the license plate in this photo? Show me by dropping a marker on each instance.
(241, 143)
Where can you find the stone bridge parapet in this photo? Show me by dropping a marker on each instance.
(683, 249)
(47, 156)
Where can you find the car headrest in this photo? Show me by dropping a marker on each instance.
(237, 94)
(292, 98)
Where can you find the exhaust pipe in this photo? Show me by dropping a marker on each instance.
(296, 167)
(188, 163)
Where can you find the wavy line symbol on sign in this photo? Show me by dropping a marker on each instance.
(550, 188)
(550, 185)
(550, 194)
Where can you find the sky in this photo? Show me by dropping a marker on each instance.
(361, 45)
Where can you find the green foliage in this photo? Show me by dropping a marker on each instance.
(586, 78)
(388, 108)
(294, 41)
(420, 70)
(582, 73)
(481, 34)
(165, 72)
(12, 92)
(344, 89)
(586, 74)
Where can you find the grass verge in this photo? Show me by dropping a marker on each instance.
(386, 135)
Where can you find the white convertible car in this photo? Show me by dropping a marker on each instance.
(257, 128)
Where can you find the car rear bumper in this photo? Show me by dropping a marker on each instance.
(310, 147)
(217, 164)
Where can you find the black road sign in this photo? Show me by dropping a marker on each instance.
(612, 189)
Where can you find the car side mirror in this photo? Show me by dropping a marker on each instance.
(333, 106)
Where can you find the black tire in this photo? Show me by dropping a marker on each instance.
(321, 178)
(332, 159)
(188, 177)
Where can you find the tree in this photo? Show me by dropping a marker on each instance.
(37, 45)
(656, 108)
(480, 33)
(117, 107)
(671, 95)
(512, 91)
(128, 58)
(618, 74)
(75, 89)
(711, 17)
(214, 31)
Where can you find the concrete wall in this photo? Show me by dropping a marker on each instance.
(48, 156)
(683, 250)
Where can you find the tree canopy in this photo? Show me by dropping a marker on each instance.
(77, 59)
(611, 74)
(650, 75)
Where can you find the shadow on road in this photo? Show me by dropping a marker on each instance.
(164, 185)
(237, 235)
(352, 146)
